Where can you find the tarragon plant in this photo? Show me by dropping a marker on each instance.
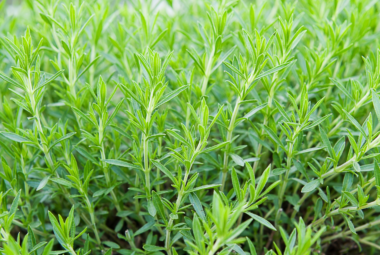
(153, 127)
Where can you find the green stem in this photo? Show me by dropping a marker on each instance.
(339, 168)
(345, 209)
(285, 182)
(105, 170)
(215, 247)
(260, 147)
(146, 150)
(229, 138)
(338, 122)
(146, 164)
(346, 233)
(369, 243)
(177, 205)
(159, 152)
(178, 202)
(208, 71)
(92, 217)
(300, 202)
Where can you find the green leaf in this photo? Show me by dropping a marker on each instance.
(43, 183)
(158, 38)
(37, 246)
(351, 198)
(87, 155)
(353, 142)
(196, 203)
(153, 248)
(171, 95)
(109, 252)
(253, 111)
(48, 248)
(261, 220)
(376, 104)
(198, 234)
(222, 58)
(274, 137)
(11, 81)
(377, 173)
(15, 137)
(238, 250)
(282, 111)
(342, 88)
(350, 224)
(263, 180)
(67, 136)
(87, 67)
(355, 123)
(237, 231)
(326, 142)
(133, 95)
(251, 247)
(165, 171)
(347, 181)
(297, 39)
(48, 19)
(318, 121)
(63, 182)
(111, 244)
(144, 228)
(237, 159)
(15, 202)
(115, 111)
(210, 186)
(311, 186)
(270, 71)
(49, 80)
(308, 150)
(215, 147)
(84, 116)
(179, 138)
(158, 205)
(197, 61)
(236, 184)
(234, 69)
(121, 163)
(59, 233)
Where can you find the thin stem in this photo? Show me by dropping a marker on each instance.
(208, 71)
(159, 152)
(338, 122)
(339, 168)
(300, 202)
(215, 247)
(105, 169)
(345, 209)
(146, 148)
(19, 224)
(177, 205)
(92, 217)
(146, 163)
(369, 243)
(229, 138)
(342, 234)
(260, 147)
(285, 182)
(178, 202)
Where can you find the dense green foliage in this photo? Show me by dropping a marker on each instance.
(189, 127)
